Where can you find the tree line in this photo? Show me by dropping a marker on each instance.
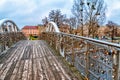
(89, 13)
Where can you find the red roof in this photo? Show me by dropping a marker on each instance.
(30, 27)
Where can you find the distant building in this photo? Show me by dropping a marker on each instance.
(30, 30)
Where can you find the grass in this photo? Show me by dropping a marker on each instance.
(33, 38)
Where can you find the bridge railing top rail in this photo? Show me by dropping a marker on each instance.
(10, 32)
(101, 42)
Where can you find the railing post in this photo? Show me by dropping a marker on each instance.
(87, 62)
(60, 36)
(118, 65)
(73, 53)
(57, 42)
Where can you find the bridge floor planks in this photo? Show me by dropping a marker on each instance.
(31, 60)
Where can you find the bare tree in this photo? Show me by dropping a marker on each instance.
(95, 10)
(57, 17)
(45, 21)
(91, 12)
(113, 29)
(71, 22)
(77, 11)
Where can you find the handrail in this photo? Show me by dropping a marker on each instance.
(100, 58)
(90, 39)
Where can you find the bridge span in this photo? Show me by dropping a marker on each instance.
(32, 60)
(21, 59)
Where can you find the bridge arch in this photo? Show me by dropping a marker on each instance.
(52, 27)
(7, 25)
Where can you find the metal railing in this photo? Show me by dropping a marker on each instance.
(95, 59)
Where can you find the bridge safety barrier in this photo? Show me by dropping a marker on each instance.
(9, 38)
(95, 59)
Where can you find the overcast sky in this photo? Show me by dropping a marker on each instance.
(30, 12)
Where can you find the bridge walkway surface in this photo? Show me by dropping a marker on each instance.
(32, 60)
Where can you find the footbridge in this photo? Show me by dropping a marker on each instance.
(46, 58)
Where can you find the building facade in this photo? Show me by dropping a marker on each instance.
(30, 30)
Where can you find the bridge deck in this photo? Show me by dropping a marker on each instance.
(32, 60)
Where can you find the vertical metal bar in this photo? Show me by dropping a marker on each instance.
(118, 65)
(87, 61)
(72, 53)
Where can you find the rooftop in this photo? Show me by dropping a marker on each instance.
(30, 27)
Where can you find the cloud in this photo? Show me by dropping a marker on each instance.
(2, 2)
(18, 7)
(30, 12)
(113, 6)
(113, 10)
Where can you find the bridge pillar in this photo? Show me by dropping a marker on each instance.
(12, 28)
(15, 29)
(1, 30)
(7, 27)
